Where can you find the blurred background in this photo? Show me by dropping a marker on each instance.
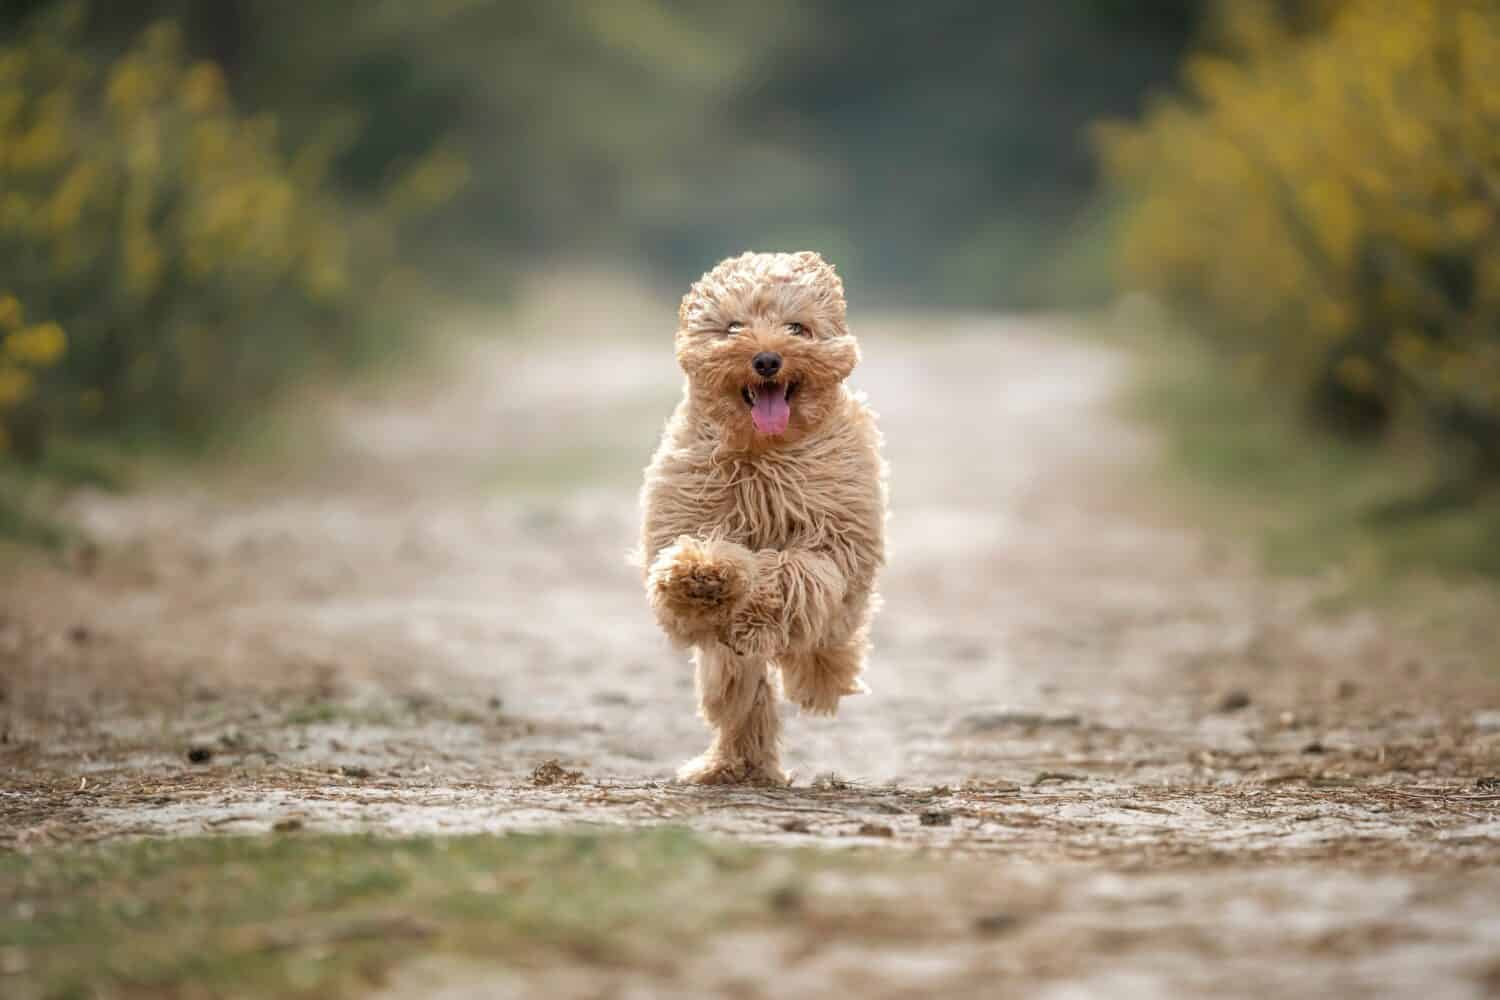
(201, 202)
(324, 404)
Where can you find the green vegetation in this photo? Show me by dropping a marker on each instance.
(202, 204)
(1316, 500)
(30, 492)
(323, 916)
(930, 151)
(1324, 202)
(170, 261)
(20, 520)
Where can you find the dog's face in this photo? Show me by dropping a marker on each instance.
(765, 343)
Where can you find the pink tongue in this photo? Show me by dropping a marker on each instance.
(771, 412)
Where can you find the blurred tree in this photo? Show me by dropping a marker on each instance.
(930, 149)
(168, 260)
(959, 124)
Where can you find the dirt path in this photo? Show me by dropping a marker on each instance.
(397, 633)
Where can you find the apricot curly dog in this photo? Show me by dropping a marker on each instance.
(764, 506)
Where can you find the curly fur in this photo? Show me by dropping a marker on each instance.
(760, 550)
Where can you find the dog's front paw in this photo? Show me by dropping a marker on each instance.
(712, 769)
(709, 586)
(696, 584)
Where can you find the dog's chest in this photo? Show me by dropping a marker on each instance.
(769, 506)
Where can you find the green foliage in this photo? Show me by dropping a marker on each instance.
(910, 143)
(1315, 500)
(1326, 200)
(170, 262)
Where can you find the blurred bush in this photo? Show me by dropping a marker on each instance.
(1324, 199)
(169, 261)
(203, 197)
(935, 151)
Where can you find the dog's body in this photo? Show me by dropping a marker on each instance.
(764, 506)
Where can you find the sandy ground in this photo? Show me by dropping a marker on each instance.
(1183, 775)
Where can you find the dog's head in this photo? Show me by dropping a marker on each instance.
(765, 343)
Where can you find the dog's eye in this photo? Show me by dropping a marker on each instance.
(734, 327)
(798, 330)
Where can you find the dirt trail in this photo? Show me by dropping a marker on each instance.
(395, 634)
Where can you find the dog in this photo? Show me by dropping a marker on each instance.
(764, 507)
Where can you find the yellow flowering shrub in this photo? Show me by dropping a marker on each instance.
(26, 352)
(1325, 200)
(183, 262)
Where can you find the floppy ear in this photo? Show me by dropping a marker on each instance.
(848, 355)
(834, 359)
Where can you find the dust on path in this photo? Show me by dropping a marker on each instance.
(395, 634)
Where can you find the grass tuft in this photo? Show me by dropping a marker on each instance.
(327, 916)
(1314, 501)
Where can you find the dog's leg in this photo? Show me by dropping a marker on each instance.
(735, 698)
(793, 595)
(816, 679)
(695, 585)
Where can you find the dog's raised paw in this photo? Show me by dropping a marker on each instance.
(705, 585)
(700, 576)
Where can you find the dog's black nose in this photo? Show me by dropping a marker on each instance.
(766, 364)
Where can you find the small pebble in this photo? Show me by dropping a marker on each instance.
(936, 817)
(1235, 700)
(199, 755)
(995, 923)
(786, 899)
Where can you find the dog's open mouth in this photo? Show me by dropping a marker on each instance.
(770, 405)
